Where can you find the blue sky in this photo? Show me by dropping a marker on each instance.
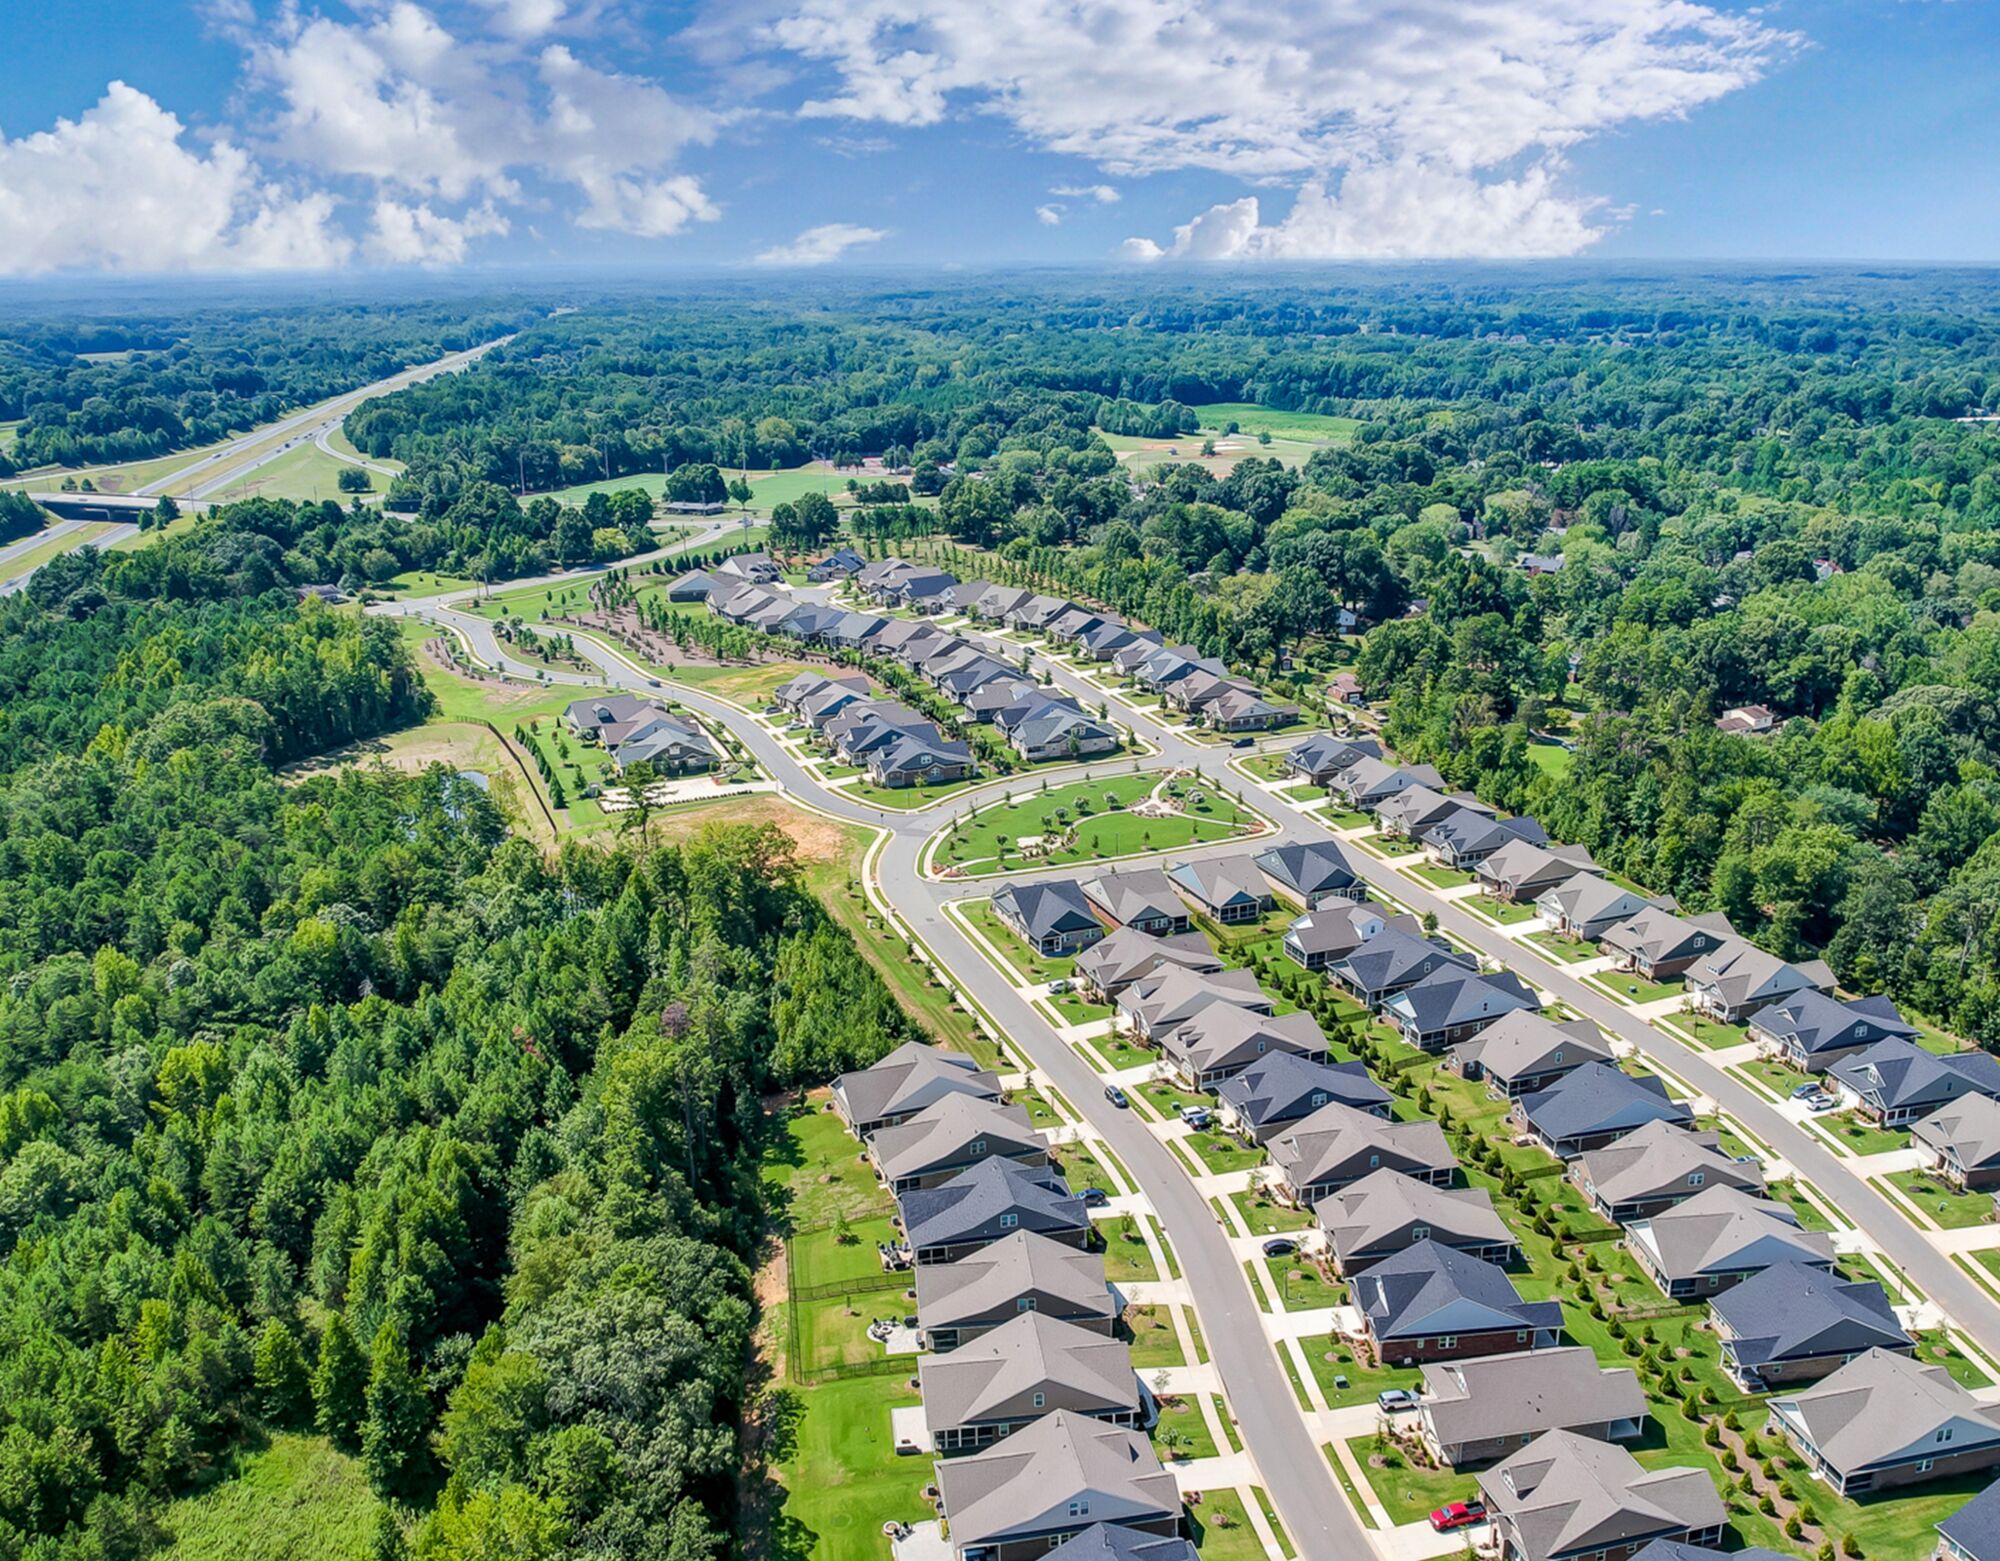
(195, 136)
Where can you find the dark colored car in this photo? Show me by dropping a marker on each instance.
(1115, 1095)
(1094, 1197)
(1244, 742)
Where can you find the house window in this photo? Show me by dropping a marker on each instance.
(1521, 1336)
(1041, 1399)
(1025, 1304)
(1420, 1233)
(1923, 1466)
(1009, 1221)
(1079, 1508)
(979, 1146)
(1696, 1178)
(1373, 1161)
(1555, 1059)
(1945, 1434)
(1319, 1097)
(1448, 1341)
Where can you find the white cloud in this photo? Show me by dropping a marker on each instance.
(403, 235)
(1049, 216)
(1103, 194)
(527, 18)
(1410, 109)
(821, 245)
(117, 189)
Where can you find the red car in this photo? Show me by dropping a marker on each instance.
(1458, 1514)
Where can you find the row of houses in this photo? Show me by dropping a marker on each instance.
(896, 745)
(634, 730)
(1029, 1397)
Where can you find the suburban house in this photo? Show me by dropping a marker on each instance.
(953, 1136)
(1797, 1324)
(590, 718)
(1535, 565)
(1107, 639)
(1884, 1420)
(672, 745)
(996, 698)
(1346, 689)
(1387, 1212)
(1566, 1497)
(1323, 755)
(1369, 780)
(1717, 1239)
(1114, 962)
(1024, 1272)
(1738, 979)
(792, 694)
(1067, 628)
(1390, 961)
(820, 708)
(1487, 1406)
(1657, 945)
(1973, 1532)
(1431, 1302)
(1589, 1107)
(994, 603)
(1022, 1370)
(1038, 612)
(1040, 729)
(1222, 1040)
(1017, 1500)
(994, 1199)
(912, 1078)
(1521, 1052)
(1415, 809)
(919, 760)
(1520, 873)
(1103, 1542)
(1963, 1141)
(1467, 836)
(1229, 889)
(1339, 1144)
(842, 563)
(1283, 1087)
(1746, 720)
(1051, 918)
(1656, 1166)
(1588, 906)
(1156, 1006)
(1141, 898)
(1315, 940)
(1898, 1081)
(855, 630)
(1452, 1004)
(1313, 873)
(1229, 704)
(811, 622)
(1162, 668)
(1813, 1031)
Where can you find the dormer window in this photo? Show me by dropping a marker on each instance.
(1319, 1097)
(1041, 1400)
(1696, 1178)
(1080, 1508)
(1009, 1221)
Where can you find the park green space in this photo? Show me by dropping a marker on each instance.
(987, 842)
(1253, 420)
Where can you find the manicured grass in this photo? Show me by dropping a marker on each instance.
(835, 1333)
(1778, 1077)
(1550, 759)
(1026, 963)
(1167, 1098)
(1299, 1284)
(1635, 991)
(1252, 419)
(1711, 1033)
(1863, 1135)
(1810, 1218)
(1154, 1342)
(1941, 1202)
(903, 798)
(843, 1479)
(1222, 1154)
(1935, 1349)
(306, 473)
(1075, 1008)
(1222, 1530)
(1117, 1051)
(1126, 1257)
(1305, 793)
(1409, 1493)
(1267, 1217)
(294, 1497)
(1040, 1110)
(1345, 818)
(1502, 913)
(1331, 1357)
(1436, 877)
(820, 1257)
(1081, 1168)
(1268, 766)
(425, 582)
(1183, 1433)
(1564, 949)
(814, 1170)
(989, 841)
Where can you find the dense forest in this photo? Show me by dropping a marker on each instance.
(330, 1105)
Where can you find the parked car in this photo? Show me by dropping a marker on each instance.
(1392, 1400)
(1115, 1095)
(1197, 1117)
(1094, 1197)
(1058, 988)
(1280, 1246)
(1806, 1092)
(1820, 1100)
(1457, 1515)
(1244, 742)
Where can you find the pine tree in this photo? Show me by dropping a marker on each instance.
(395, 1440)
(339, 1386)
(284, 1389)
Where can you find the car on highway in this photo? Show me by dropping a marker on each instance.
(1394, 1400)
(1280, 1246)
(1116, 1096)
(1457, 1515)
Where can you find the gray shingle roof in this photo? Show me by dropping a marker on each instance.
(1166, 1001)
(1027, 1484)
(1739, 972)
(1658, 934)
(1311, 867)
(973, 1202)
(1588, 897)
(1599, 1098)
(1219, 880)
(1277, 1087)
(1429, 1289)
(1659, 1159)
(1450, 997)
(1342, 925)
(1124, 956)
(1527, 1392)
(1818, 1023)
(1900, 1073)
(1223, 1036)
(908, 1079)
(1975, 1527)
(941, 1135)
(997, 1375)
(1360, 1217)
(1046, 909)
(1969, 1128)
(1389, 956)
(1137, 894)
(1881, 1408)
(1339, 1140)
(1524, 1045)
(1681, 1550)
(1722, 1231)
(1565, 1493)
(1791, 1312)
(1067, 1282)
(1105, 1542)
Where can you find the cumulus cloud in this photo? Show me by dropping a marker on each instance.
(821, 245)
(1398, 114)
(403, 235)
(1049, 216)
(1103, 194)
(119, 189)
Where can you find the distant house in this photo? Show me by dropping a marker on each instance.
(1963, 1141)
(1588, 906)
(1391, 961)
(1368, 781)
(1467, 836)
(841, 564)
(1033, 1366)
(792, 694)
(1535, 565)
(1223, 1039)
(1229, 889)
(1346, 689)
(1157, 1005)
(1813, 1031)
(1056, 729)
(1657, 945)
(1522, 1051)
(1019, 1499)
(1141, 898)
(1746, 721)
(1124, 956)
(1313, 873)
(953, 1136)
(1595, 1104)
(1452, 1004)
(1430, 1302)
(994, 603)
(1339, 1144)
(1068, 628)
(1038, 612)
(1284, 1087)
(671, 745)
(1485, 1407)
(1794, 1324)
(1566, 1497)
(1051, 918)
(1106, 640)
(1318, 938)
(912, 1078)
(1654, 1167)
(1387, 1212)
(1897, 1081)
(1739, 979)
(1519, 873)
(587, 718)
(1323, 755)
(1717, 1239)
(1883, 1421)
(993, 1199)
(1414, 809)
(1021, 1273)
(916, 760)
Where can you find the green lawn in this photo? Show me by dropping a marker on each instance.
(835, 1333)
(1634, 990)
(1040, 1110)
(989, 841)
(1153, 1341)
(1345, 818)
(904, 798)
(1946, 1207)
(1330, 1357)
(1862, 1135)
(815, 1170)
(1502, 913)
(1253, 419)
(1182, 1432)
(1075, 1008)
(820, 1257)
(1127, 1258)
(1565, 949)
(1117, 1051)
(1024, 961)
(306, 473)
(1935, 1349)
(1711, 1033)
(296, 1498)
(1081, 1168)
(1409, 1493)
(1437, 877)
(1221, 1529)
(1299, 1284)
(1788, 1193)
(1222, 1154)
(1265, 1216)
(843, 1479)
(1550, 759)
(1167, 1099)
(1778, 1077)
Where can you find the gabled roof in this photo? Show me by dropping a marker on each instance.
(1881, 1407)
(1416, 806)
(1652, 1160)
(997, 1375)
(1168, 1000)
(975, 1198)
(1791, 1312)
(1656, 933)
(1310, 867)
(1000, 1273)
(942, 1134)
(1969, 1127)
(1058, 721)
(1821, 1023)
(1221, 879)
(1430, 1289)
(1225, 1036)
(1388, 956)
(1283, 1081)
(919, 752)
(1323, 753)
(1029, 1483)
(1741, 972)
(1589, 897)
(1108, 1542)
(1524, 1043)
(1473, 829)
(1046, 909)
(1565, 1493)
(1600, 1098)
(1342, 925)
(1452, 996)
(1521, 864)
(1136, 894)
(1722, 1231)
(1525, 1393)
(1385, 1202)
(908, 1079)
(1375, 777)
(1339, 1137)
(1681, 1550)
(1126, 955)
(1901, 1073)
